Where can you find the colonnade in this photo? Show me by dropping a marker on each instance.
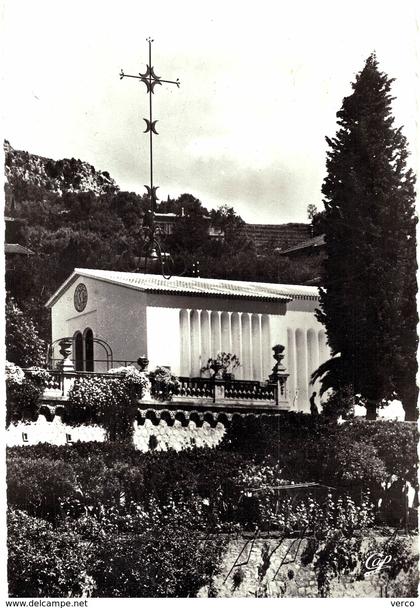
(307, 349)
(206, 333)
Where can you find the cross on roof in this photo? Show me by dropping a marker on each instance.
(150, 79)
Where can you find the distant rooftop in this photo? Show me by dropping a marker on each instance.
(316, 241)
(276, 235)
(16, 248)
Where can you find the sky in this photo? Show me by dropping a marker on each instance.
(261, 83)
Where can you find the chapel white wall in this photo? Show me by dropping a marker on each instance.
(115, 314)
(182, 332)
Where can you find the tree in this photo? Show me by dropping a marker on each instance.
(24, 347)
(368, 299)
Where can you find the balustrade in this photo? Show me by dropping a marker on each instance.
(195, 387)
(250, 390)
(207, 390)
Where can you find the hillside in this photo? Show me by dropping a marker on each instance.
(72, 215)
(56, 176)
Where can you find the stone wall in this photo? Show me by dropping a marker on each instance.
(175, 436)
(290, 579)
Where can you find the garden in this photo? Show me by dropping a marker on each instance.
(104, 520)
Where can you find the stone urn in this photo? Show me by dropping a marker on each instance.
(143, 363)
(279, 374)
(66, 345)
(278, 355)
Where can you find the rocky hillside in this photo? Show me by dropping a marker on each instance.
(60, 176)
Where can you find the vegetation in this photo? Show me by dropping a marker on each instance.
(163, 383)
(369, 225)
(103, 558)
(108, 521)
(108, 400)
(24, 347)
(222, 365)
(23, 392)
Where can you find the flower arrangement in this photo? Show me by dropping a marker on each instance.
(222, 365)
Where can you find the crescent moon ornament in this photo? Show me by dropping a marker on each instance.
(151, 79)
(150, 126)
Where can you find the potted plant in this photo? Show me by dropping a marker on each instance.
(164, 384)
(222, 366)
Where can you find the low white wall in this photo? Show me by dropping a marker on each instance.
(175, 437)
(54, 432)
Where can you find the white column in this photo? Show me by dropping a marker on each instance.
(291, 366)
(302, 369)
(246, 354)
(184, 324)
(215, 333)
(324, 351)
(225, 329)
(313, 358)
(195, 343)
(266, 347)
(256, 347)
(236, 341)
(205, 337)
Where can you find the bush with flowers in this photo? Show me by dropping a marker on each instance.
(164, 384)
(14, 374)
(23, 389)
(109, 400)
(134, 378)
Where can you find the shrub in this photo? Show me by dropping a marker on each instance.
(395, 442)
(110, 401)
(164, 384)
(43, 561)
(167, 559)
(23, 343)
(22, 393)
(159, 553)
(39, 485)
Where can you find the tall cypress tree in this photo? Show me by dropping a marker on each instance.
(368, 300)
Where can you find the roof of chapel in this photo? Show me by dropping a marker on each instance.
(191, 286)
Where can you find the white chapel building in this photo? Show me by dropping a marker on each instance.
(115, 317)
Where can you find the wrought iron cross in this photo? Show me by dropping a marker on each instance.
(150, 80)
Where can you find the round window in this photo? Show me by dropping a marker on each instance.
(80, 297)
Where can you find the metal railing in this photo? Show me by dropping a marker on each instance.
(54, 363)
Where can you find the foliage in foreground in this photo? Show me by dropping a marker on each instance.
(356, 457)
(135, 523)
(160, 557)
